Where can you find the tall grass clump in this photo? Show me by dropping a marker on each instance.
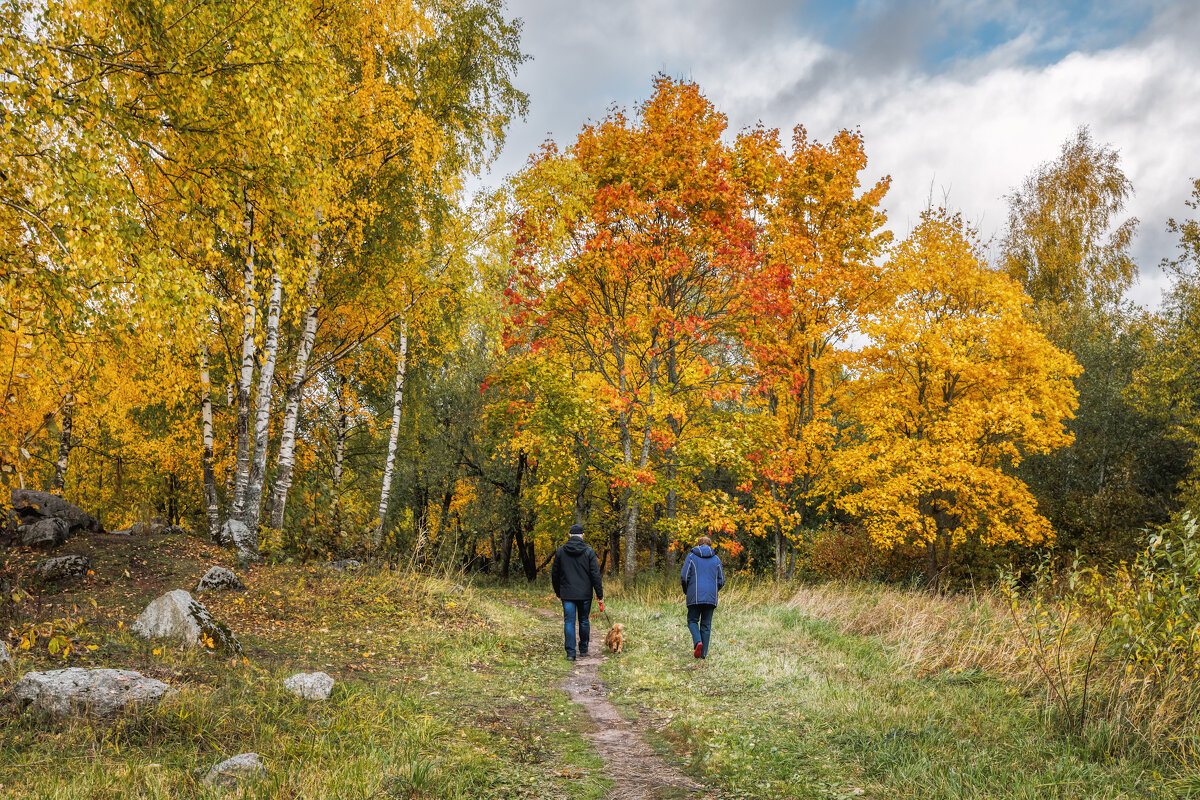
(1111, 656)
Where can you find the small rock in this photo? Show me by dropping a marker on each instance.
(151, 528)
(61, 567)
(98, 692)
(5, 656)
(176, 615)
(245, 766)
(344, 564)
(174, 530)
(122, 532)
(310, 685)
(48, 533)
(218, 578)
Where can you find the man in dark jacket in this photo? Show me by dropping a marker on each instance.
(575, 575)
(702, 577)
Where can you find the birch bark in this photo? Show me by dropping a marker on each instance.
(64, 443)
(291, 416)
(210, 478)
(241, 469)
(389, 466)
(262, 416)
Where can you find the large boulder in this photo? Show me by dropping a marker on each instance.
(176, 615)
(98, 692)
(45, 533)
(236, 533)
(310, 685)
(30, 506)
(231, 771)
(219, 578)
(61, 567)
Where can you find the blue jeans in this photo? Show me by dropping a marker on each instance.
(571, 609)
(700, 624)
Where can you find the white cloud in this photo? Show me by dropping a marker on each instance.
(971, 133)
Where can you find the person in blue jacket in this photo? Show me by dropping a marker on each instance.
(702, 577)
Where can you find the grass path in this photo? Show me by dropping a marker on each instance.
(462, 693)
(637, 772)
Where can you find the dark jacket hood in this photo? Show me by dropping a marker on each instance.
(575, 545)
(704, 551)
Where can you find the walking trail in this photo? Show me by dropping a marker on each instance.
(636, 771)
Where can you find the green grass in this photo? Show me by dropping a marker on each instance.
(787, 705)
(441, 692)
(447, 691)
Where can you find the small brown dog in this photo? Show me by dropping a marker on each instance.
(615, 640)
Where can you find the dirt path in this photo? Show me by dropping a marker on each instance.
(637, 772)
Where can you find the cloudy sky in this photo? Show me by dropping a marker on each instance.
(958, 99)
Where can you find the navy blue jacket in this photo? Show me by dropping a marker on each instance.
(702, 576)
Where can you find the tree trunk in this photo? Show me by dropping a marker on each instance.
(230, 400)
(931, 565)
(672, 466)
(262, 415)
(211, 507)
(339, 444)
(634, 502)
(64, 444)
(241, 470)
(295, 392)
(389, 466)
(780, 555)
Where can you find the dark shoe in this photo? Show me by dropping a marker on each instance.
(699, 650)
(570, 656)
(583, 651)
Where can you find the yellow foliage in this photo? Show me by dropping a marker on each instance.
(953, 386)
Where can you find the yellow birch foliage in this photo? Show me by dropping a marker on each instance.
(953, 387)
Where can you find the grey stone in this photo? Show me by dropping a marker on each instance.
(48, 533)
(98, 692)
(310, 685)
(344, 564)
(61, 567)
(244, 766)
(235, 532)
(5, 656)
(122, 532)
(176, 615)
(151, 528)
(218, 578)
(174, 530)
(31, 506)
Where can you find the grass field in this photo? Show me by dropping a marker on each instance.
(789, 705)
(446, 691)
(441, 692)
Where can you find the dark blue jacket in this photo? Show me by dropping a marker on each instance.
(702, 576)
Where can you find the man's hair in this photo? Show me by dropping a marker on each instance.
(704, 540)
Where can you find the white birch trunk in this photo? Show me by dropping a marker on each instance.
(286, 461)
(339, 445)
(389, 466)
(210, 479)
(262, 415)
(64, 444)
(241, 469)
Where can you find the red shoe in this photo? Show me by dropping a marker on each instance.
(699, 649)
